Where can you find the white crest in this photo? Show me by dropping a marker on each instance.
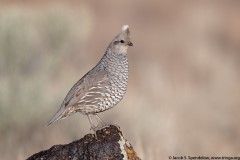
(125, 27)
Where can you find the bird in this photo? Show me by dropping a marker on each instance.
(103, 87)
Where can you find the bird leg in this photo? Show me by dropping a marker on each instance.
(102, 123)
(93, 127)
(99, 119)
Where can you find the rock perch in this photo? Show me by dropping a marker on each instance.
(107, 144)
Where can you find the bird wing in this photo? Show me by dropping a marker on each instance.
(87, 92)
(90, 90)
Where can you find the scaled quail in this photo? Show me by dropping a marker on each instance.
(103, 86)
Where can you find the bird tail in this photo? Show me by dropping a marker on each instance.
(56, 117)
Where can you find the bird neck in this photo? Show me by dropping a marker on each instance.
(112, 61)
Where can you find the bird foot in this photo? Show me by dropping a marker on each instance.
(102, 125)
(109, 124)
(99, 127)
(93, 128)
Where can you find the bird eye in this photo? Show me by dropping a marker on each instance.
(122, 41)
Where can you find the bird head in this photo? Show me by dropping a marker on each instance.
(121, 42)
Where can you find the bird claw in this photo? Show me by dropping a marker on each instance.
(100, 126)
(93, 128)
(104, 125)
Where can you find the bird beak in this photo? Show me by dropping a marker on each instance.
(130, 43)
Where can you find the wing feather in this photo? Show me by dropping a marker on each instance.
(89, 90)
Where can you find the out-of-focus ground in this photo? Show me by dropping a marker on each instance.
(184, 86)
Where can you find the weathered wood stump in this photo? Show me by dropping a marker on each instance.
(108, 144)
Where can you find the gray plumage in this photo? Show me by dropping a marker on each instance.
(103, 86)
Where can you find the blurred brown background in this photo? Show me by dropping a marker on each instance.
(184, 87)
